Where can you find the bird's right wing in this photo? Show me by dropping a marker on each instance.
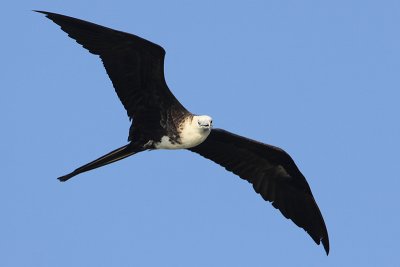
(134, 65)
(274, 176)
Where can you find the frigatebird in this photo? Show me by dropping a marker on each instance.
(159, 121)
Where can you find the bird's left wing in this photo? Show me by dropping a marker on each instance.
(274, 176)
(134, 65)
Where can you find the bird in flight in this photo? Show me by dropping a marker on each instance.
(159, 121)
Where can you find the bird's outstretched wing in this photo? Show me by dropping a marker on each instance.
(134, 65)
(274, 176)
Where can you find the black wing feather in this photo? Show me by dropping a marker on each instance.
(274, 176)
(134, 65)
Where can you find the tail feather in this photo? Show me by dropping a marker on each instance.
(113, 156)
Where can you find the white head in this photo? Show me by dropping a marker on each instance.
(203, 122)
(194, 131)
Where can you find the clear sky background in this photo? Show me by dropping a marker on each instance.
(320, 79)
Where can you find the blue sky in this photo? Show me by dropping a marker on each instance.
(317, 78)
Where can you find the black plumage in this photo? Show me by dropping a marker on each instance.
(273, 174)
(136, 69)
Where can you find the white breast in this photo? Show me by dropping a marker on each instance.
(190, 136)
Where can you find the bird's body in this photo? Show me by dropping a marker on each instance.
(159, 121)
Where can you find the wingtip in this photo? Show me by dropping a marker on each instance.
(325, 243)
(40, 11)
(46, 13)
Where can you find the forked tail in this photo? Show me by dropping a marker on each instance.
(113, 156)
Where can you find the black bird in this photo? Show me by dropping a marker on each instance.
(136, 69)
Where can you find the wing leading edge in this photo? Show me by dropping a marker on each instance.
(134, 65)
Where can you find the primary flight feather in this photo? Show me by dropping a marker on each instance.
(159, 121)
